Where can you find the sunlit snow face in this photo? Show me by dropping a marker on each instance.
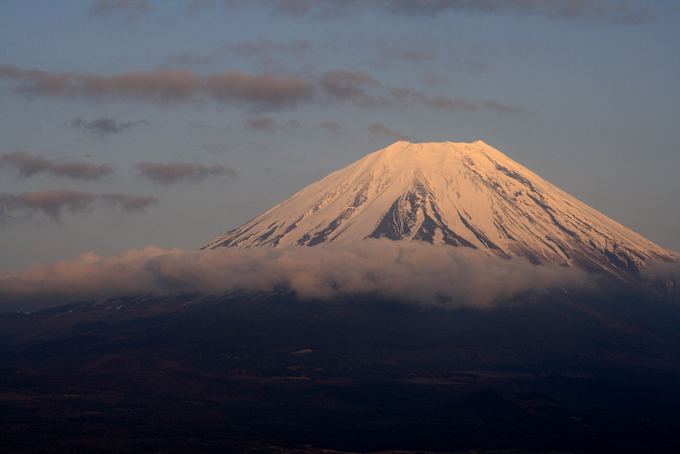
(462, 195)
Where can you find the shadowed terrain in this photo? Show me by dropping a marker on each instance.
(271, 373)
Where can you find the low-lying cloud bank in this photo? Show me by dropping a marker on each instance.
(409, 272)
(665, 275)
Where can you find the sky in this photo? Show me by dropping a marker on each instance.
(126, 124)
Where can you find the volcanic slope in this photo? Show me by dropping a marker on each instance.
(458, 194)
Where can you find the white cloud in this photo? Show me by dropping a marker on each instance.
(410, 272)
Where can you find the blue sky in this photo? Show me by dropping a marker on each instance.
(127, 123)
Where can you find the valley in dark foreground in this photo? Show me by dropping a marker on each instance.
(272, 374)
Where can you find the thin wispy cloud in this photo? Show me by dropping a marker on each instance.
(131, 8)
(254, 92)
(378, 129)
(102, 127)
(347, 85)
(264, 51)
(408, 97)
(261, 124)
(187, 58)
(28, 165)
(500, 108)
(413, 51)
(155, 86)
(267, 47)
(365, 91)
(264, 90)
(126, 203)
(409, 272)
(215, 148)
(270, 125)
(177, 172)
(16, 207)
(331, 126)
(583, 10)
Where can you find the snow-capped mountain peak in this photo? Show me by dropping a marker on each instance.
(458, 194)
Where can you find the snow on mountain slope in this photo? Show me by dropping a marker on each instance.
(459, 194)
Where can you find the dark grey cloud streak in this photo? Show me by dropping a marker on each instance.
(15, 207)
(176, 172)
(267, 124)
(101, 127)
(29, 165)
(270, 125)
(588, 10)
(254, 92)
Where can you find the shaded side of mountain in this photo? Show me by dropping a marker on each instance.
(560, 372)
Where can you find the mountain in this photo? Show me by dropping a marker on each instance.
(459, 194)
(593, 369)
(273, 374)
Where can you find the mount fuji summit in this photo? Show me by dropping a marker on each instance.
(466, 195)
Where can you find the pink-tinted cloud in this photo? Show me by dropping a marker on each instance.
(267, 90)
(411, 272)
(176, 172)
(254, 92)
(174, 85)
(53, 204)
(29, 165)
(160, 86)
